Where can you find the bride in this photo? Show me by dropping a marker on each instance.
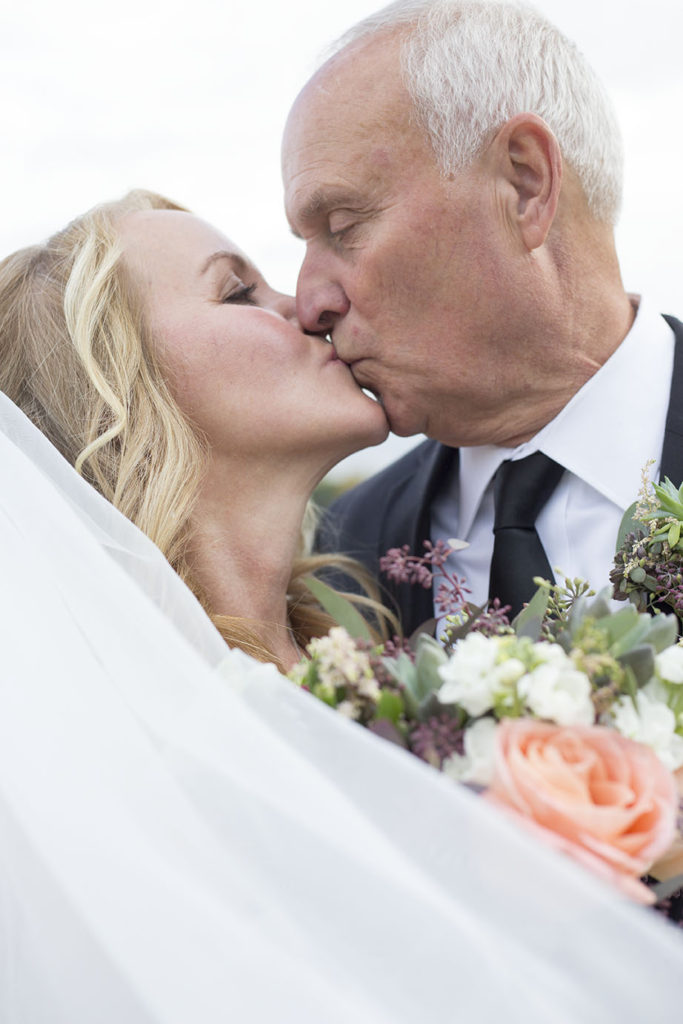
(148, 348)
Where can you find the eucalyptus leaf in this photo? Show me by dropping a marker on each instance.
(340, 608)
(429, 658)
(630, 686)
(426, 627)
(619, 624)
(641, 661)
(663, 632)
(632, 638)
(529, 622)
(628, 524)
(600, 607)
(580, 610)
(402, 669)
(431, 707)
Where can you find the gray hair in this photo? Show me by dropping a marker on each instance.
(471, 65)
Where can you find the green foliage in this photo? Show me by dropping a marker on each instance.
(340, 608)
(530, 620)
(629, 524)
(670, 500)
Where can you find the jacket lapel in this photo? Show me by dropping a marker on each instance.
(407, 521)
(672, 449)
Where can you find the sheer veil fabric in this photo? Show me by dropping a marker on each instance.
(186, 837)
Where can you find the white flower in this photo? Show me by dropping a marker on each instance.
(348, 709)
(557, 691)
(338, 659)
(506, 673)
(652, 723)
(550, 654)
(468, 674)
(369, 688)
(476, 764)
(669, 664)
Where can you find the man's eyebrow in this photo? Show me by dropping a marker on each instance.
(240, 265)
(319, 202)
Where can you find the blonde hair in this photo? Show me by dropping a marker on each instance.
(77, 358)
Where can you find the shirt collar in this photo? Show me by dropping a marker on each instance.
(606, 433)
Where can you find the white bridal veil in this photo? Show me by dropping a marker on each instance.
(181, 844)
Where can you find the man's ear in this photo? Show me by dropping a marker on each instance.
(529, 167)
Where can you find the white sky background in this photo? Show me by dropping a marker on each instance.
(189, 98)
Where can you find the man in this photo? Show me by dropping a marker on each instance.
(455, 172)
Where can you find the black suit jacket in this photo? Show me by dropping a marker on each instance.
(393, 507)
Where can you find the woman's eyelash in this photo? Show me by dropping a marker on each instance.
(243, 295)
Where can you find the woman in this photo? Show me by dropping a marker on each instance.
(156, 358)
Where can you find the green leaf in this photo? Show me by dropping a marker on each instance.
(402, 669)
(663, 632)
(529, 622)
(428, 627)
(641, 661)
(620, 623)
(461, 631)
(429, 658)
(601, 606)
(674, 535)
(630, 686)
(669, 498)
(340, 608)
(667, 888)
(628, 524)
(389, 706)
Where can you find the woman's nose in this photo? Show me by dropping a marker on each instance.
(285, 305)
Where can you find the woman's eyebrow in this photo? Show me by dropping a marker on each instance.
(237, 261)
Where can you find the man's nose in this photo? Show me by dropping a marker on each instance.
(319, 302)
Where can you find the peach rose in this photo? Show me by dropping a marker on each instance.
(606, 800)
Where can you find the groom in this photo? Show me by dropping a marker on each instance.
(455, 172)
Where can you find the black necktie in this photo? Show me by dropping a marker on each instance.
(520, 490)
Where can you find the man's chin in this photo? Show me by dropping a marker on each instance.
(402, 422)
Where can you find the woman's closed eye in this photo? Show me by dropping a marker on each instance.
(242, 295)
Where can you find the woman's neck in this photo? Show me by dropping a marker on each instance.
(246, 535)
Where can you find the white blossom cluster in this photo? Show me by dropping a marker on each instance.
(514, 676)
(339, 663)
(509, 676)
(656, 717)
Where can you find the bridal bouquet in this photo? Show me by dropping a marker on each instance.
(570, 718)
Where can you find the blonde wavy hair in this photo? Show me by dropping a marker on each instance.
(77, 358)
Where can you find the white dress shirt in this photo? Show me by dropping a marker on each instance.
(603, 437)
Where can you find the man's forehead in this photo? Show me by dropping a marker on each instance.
(347, 122)
(357, 89)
